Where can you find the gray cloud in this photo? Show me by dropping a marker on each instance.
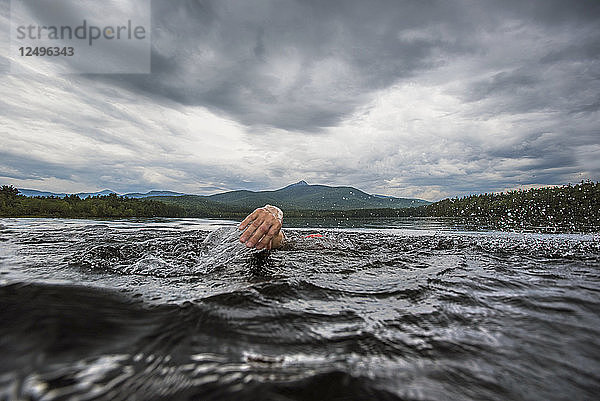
(293, 65)
(225, 56)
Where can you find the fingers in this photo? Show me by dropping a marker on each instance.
(251, 229)
(260, 227)
(266, 241)
(259, 234)
(260, 231)
(248, 219)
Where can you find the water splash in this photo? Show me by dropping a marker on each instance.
(182, 311)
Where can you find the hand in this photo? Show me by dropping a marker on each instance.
(262, 228)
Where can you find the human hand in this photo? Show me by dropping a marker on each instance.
(262, 228)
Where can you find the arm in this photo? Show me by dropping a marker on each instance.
(263, 228)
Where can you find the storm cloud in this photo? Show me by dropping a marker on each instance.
(405, 98)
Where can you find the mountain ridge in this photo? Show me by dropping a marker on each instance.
(302, 196)
(297, 196)
(83, 195)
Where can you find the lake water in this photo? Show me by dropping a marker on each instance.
(400, 310)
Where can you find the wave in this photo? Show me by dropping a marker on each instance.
(119, 311)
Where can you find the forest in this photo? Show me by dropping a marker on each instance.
(12, 204)
(569, 207)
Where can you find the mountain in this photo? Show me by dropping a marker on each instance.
(153, 193)
(34, 192)
(298, 196)
(83, 195)
(105, 192)
(300, 183)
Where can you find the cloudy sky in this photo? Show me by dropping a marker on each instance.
(423, 99)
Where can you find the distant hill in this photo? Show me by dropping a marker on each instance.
(34, 192)
(152, 193)
(15, 204)
(298, 196)
(83, 195)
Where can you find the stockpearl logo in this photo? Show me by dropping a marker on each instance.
(80, 36)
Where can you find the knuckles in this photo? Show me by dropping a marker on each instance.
(264, 227)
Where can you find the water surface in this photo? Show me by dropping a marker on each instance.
(152, 309)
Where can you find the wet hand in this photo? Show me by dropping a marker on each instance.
(261, 227)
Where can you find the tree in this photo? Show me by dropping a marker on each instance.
(9, 191)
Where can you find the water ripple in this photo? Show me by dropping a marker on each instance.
(179, 309)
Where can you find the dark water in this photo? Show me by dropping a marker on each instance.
(149, 310)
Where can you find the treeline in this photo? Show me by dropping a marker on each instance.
(570, 207)
(195, 206)
(12, 204)
(357, 213)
